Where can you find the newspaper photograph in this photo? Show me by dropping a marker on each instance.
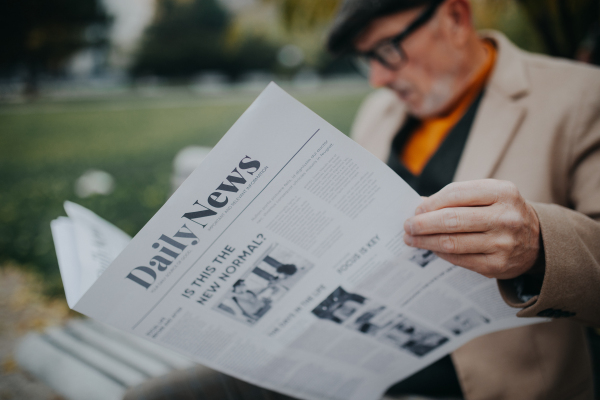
(280, 261)
(263, 285)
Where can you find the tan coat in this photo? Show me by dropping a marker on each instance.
(538, 125)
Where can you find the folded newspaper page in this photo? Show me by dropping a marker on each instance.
(280, 261)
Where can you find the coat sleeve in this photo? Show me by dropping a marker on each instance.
(571, 235)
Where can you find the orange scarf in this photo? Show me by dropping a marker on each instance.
(430, 134)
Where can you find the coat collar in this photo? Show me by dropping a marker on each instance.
(499, 115)
(509, 76)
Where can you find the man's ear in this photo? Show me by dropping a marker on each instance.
(457, 21)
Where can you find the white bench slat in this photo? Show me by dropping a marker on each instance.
(67, 375)
(97, 359)
(163, 354)
(118, 350)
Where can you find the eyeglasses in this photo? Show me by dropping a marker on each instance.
(389, 52)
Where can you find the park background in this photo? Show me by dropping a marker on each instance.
(98, 96)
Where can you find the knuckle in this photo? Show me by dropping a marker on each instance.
(510, 242)
(454, 192)
(512, 220)
(505, 244)
(450, 219)
(448, 243)
(511, 190)
(495, 187)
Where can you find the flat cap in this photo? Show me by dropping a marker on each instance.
(355, 15)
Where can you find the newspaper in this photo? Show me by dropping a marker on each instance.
(280, 261)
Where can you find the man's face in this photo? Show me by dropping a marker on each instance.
(429, 80)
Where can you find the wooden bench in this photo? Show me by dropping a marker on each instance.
(92, 361)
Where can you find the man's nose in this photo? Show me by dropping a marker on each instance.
(379, 75)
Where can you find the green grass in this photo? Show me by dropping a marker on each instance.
(46, 146)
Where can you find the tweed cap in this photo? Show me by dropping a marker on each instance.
(355, 15)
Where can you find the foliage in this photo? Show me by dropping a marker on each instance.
(189, 37)
(305, 14)
(184, 37)
(564, 25)
(250, 53)
(39, 36)
(560, 26)
(47, 146)
(509, 17)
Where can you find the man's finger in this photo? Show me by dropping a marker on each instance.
(451, 220)
(457, 243)
(468, 194)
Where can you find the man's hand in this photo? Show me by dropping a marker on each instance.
(485, 226)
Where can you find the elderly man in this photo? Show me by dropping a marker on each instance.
(459, 107)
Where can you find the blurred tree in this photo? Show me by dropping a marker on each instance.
(187, 37)
(39, 36)
(305, 14)
(565, 26)
(184, 37)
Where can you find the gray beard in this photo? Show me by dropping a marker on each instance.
(434, 102)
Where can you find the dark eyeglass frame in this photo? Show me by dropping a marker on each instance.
(362, 59)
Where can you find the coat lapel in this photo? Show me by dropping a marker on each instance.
(499, 115)
(495, 125)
